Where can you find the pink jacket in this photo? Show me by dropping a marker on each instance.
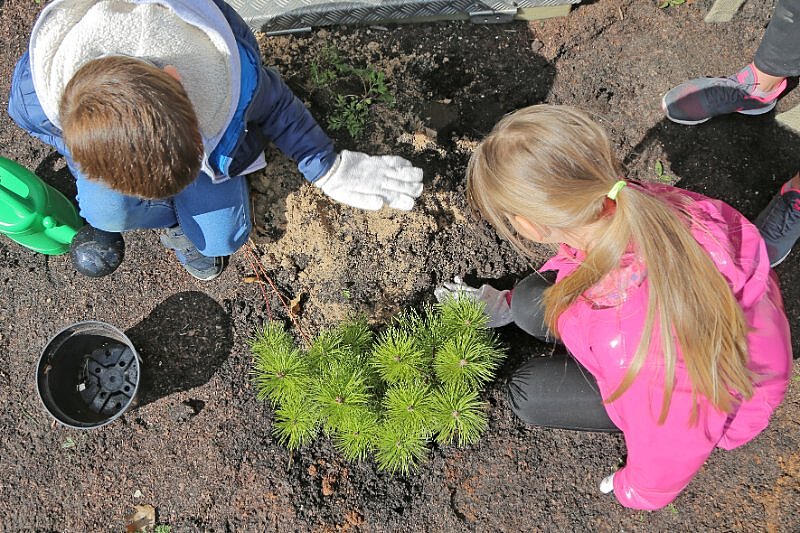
(602, 331)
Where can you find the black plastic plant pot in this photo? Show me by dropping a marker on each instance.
(88, 375)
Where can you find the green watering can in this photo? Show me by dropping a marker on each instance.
(33, 213)
(40, 218)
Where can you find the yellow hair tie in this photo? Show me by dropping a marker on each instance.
(612, 194)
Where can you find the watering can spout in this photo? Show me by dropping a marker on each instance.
(58, 232)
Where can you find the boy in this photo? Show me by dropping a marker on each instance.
(161, 107)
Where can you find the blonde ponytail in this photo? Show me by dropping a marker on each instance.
(554, 165)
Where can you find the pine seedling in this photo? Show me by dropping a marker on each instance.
(342, 392)
(461, 315)
(409, 405)
(355, 333)
(296, 423)
(273, 337)
(327, 351)
(346, 345)
(356, 438)
(400, 448)
(356, 337)
(397, 358)
(280, 371)
(468, 360)
(458, 415)
(423, 328)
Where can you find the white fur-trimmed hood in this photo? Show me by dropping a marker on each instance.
(191, 35)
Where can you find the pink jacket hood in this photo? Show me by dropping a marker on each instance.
(603, 329)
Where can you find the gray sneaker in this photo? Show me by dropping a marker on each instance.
(198, 265)
(698, 100)
(779, 224)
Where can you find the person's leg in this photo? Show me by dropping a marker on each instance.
(213, 222)
(557, 392)
(755, 89)
(779, 222)
(553, 391)
(778, 55)
(109, 210)
(215, 217)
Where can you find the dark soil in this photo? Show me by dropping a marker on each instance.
(198, 446)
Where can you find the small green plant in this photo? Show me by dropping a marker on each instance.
(330, 73)
(658, 168)
(385, 396)
(670, 3)
(457, 415)
(161, 528)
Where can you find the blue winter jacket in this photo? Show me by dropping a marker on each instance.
(267, 111)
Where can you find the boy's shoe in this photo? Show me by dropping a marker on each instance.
(779, 224)
(198, 265)
(698, 100)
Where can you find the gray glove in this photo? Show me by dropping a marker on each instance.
(370, 182)
(607, 485)
(495, 302)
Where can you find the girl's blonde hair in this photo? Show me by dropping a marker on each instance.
(554, 166)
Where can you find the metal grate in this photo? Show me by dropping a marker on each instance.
(283, 16)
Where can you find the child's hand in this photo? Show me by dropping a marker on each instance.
(495, 302)
(370, 182)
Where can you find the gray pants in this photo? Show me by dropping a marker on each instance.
(553, 391)
(779, 51)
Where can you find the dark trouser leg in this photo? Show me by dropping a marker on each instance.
(557, 392)
(553, 391)
(779, 51)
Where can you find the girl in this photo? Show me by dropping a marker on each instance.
(665, 296)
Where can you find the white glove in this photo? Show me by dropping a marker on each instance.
(495, 302)
(370, 182)
(607, 485)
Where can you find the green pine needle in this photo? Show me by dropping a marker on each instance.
(296, 424)
(355, 334)
(340, 396)
(347, 344)
(423, 328)
(409, 405)
(280, 370)
(400, 449)
(356, 438)
(461, 315)
(327, 351)
(458, 415)
(386, 396)
(468, 360)
(397, 357)
(272, 337)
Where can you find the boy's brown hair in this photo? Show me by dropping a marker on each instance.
(132, 127)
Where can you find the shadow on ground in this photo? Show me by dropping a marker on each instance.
(182, 343)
